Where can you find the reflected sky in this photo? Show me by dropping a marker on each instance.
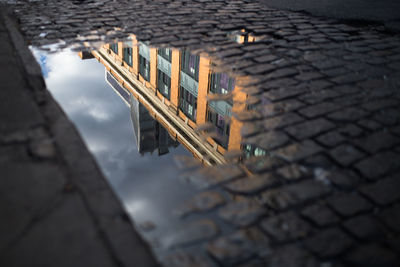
(148, 184)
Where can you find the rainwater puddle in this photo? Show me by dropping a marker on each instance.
(148, 116)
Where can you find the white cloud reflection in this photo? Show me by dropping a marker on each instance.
(147, 185)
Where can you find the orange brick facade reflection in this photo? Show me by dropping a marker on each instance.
(129, 60)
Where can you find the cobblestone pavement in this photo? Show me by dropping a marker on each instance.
(50, 186)
(328, 100)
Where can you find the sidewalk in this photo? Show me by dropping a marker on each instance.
(56, 208)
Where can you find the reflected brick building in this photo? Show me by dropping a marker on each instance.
(175, 86)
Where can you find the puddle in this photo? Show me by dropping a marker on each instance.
(149, 116)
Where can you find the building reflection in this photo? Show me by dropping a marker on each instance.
(172, 94)
(150, 135)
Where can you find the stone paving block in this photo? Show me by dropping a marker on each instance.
(298, 151)
(387, 117)
(385, 191)
(314, 56)
(281, 121)
(391, 217)
(347, 89)
(239, 246)
(333, 72)
(241, 212)
(348, 204)
(278, 108)
(331, 138)
(293, 172)
(309, 128)
(308, 76)
(294, 194)
(369, 124)
(318, 85)
(285, 227)
(184, 259)
(284, 82)
(346, 154)
(266, 58)
(262, 164)
(328, 243)
(253, 263)
(371, 254)
(252, 184)
(343, 179)
(281, 73)
(377, 141)
(379, 104)
(207, 177)
(267, 140)
(387, 162)
(318, 109)
(259, 69)
(298, 257)
(348, 114)
(201, 202)
(320, 214)
(328, 64)
(284, 92)
(366, 227)
(318, 96)
(350, 130)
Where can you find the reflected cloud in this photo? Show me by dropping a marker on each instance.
(104, 121)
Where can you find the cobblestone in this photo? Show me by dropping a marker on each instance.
(348, 114)
(268, 140)
(293, 172)
(372, 255)
(309, 128)
(391, 217)
(320, 214)
(181, 259)
(346, 154)
(299, 151)
(348, 204)
(252, 184)
(387, 162)
(366, 228)
(204, 201)
(331, 139)
(285, 227)
(298, 257)
(239, 246)
(329, 243)
(377, 142)
(293, 194)
(384, 191)
(241, 212)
